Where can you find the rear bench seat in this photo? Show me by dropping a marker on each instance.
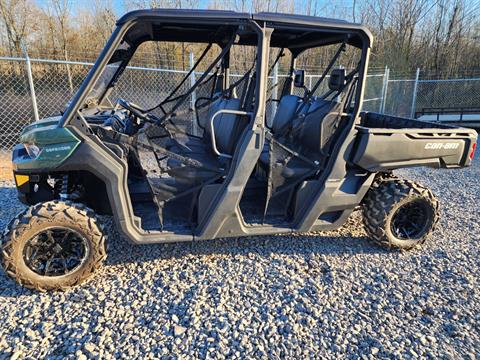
(286, 112)
(290, 109)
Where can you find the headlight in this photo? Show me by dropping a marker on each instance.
(32, 150)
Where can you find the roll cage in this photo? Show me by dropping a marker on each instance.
(220, 193)
(294, 33)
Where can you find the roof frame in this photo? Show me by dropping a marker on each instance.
(204, 22)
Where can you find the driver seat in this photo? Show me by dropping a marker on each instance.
(227, 130)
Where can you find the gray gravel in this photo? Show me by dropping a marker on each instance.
(331, 294)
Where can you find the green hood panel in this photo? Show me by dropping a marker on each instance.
(50, 121)
(56, 144)
(46, 131)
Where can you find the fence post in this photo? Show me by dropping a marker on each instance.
(414, 96)
(70, 81)
(194, 93)
(384, 89)
(30, 84)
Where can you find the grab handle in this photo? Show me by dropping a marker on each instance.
(212, 128)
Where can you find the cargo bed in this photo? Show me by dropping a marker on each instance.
(387, 142)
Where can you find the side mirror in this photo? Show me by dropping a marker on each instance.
(337, 79)
(299, 78)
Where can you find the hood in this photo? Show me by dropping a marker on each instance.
(50, 122)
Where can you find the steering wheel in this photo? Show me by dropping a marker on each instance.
(134, 109)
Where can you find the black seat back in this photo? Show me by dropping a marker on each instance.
(227, 127)
(286, 110)
(203, 116)
(313, 132)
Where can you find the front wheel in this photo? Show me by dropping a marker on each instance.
(400, 213)
(53, 246)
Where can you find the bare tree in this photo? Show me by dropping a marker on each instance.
(437, 35)
(62, 10)
(18, 20)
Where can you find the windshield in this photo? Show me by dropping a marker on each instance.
(104, 80)
(122, 54)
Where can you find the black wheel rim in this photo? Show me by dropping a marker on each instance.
(55, 252)
(411, 220)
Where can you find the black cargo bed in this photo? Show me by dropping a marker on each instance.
(388, 142)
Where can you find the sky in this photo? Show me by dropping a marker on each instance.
(121, 6)
(336, 8)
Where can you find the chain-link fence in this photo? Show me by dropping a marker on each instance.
(451, 93)
(36, 88)
(407, 97)
(15, 100)
(55, 84)
(399, 98)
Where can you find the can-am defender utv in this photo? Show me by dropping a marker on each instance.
(225, 153)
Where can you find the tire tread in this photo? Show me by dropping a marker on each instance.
(82, 216)
(382, 197)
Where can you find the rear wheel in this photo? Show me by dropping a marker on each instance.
(53, 246)
(400, 213)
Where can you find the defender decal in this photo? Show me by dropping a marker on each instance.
(58, 148)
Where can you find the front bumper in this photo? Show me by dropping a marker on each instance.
(27, 175)
(25, 184)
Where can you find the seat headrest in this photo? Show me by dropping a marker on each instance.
(337, 79)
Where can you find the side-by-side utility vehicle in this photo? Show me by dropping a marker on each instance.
(243, 142)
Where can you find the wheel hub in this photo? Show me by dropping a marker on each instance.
(55, 252)
(57, 249)
(410, 221)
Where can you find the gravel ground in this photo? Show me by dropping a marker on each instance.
(318, 295)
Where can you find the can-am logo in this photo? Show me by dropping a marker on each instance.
(58, 148)
(443, 146)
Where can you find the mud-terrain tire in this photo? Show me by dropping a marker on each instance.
(399, 213)
(66, 232)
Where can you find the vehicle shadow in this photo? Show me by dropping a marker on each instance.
(122, 252)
